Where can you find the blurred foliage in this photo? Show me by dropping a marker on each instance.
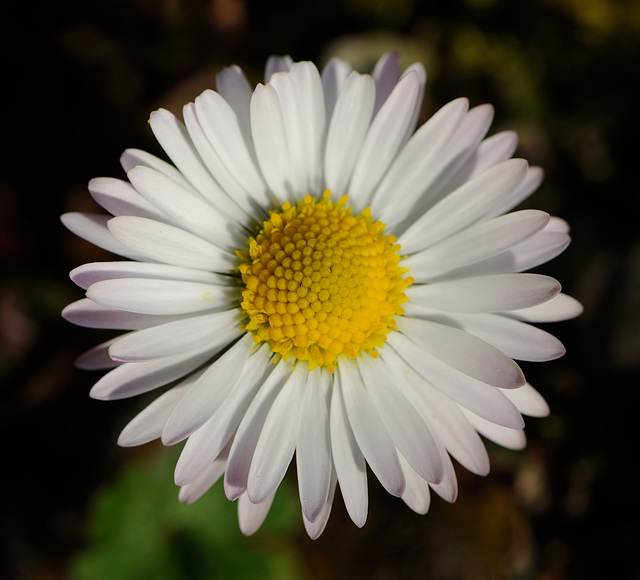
(140, 531)
(602, 20)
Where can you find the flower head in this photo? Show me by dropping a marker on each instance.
(312, 277)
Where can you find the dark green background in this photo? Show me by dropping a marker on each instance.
(79, 80)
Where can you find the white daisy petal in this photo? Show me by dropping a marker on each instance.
(416, 494)
(159, 242)
(207, 442)
(385, 74)
(315, 108)
(229, 196)
(206, 395)
(128, 380)
(478, 242)
(417, 68)
(93, 228)
(517, 340)
(184, 149)
(196, 489)
(528, 401)
(220, 125)
(412, 172)
(452, 158)
(486, 401)
(149, 296)
(531, 182)
(311, 277)
(349, 462)
(276, 64)
(192, 212)
(334, 76)
(86, 313)
(464, 352)
(121, 198)
(295, 128)
(447, 489)
(529, 253)
(252, 515)
(561, 307)
(133, 157)
(270, 138)
(175, 140)
(313, 447)
(509, 438)
(96, 358)
(349, 124)
(497, 293)
(314, 529)
(310, 98)
(88, 274)
(385, 137)
(147, 425)
(369, 431)
(443, 416)
(491, 151)
(216, 330)
(277, 441)
(233, 86)
(406, 428)
(248, 433)
(557, 225)
(543, 247)
(464, 206)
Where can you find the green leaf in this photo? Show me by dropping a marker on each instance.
(139, 531)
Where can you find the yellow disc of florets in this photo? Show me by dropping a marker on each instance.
(321, 282)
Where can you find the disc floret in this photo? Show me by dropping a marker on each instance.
(321, 282)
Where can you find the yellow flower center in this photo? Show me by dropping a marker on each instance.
(321, 282)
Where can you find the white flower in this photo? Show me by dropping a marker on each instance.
(283, 322)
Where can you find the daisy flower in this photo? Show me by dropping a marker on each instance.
(312, 276)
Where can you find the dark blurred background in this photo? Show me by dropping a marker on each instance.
(80, 79)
